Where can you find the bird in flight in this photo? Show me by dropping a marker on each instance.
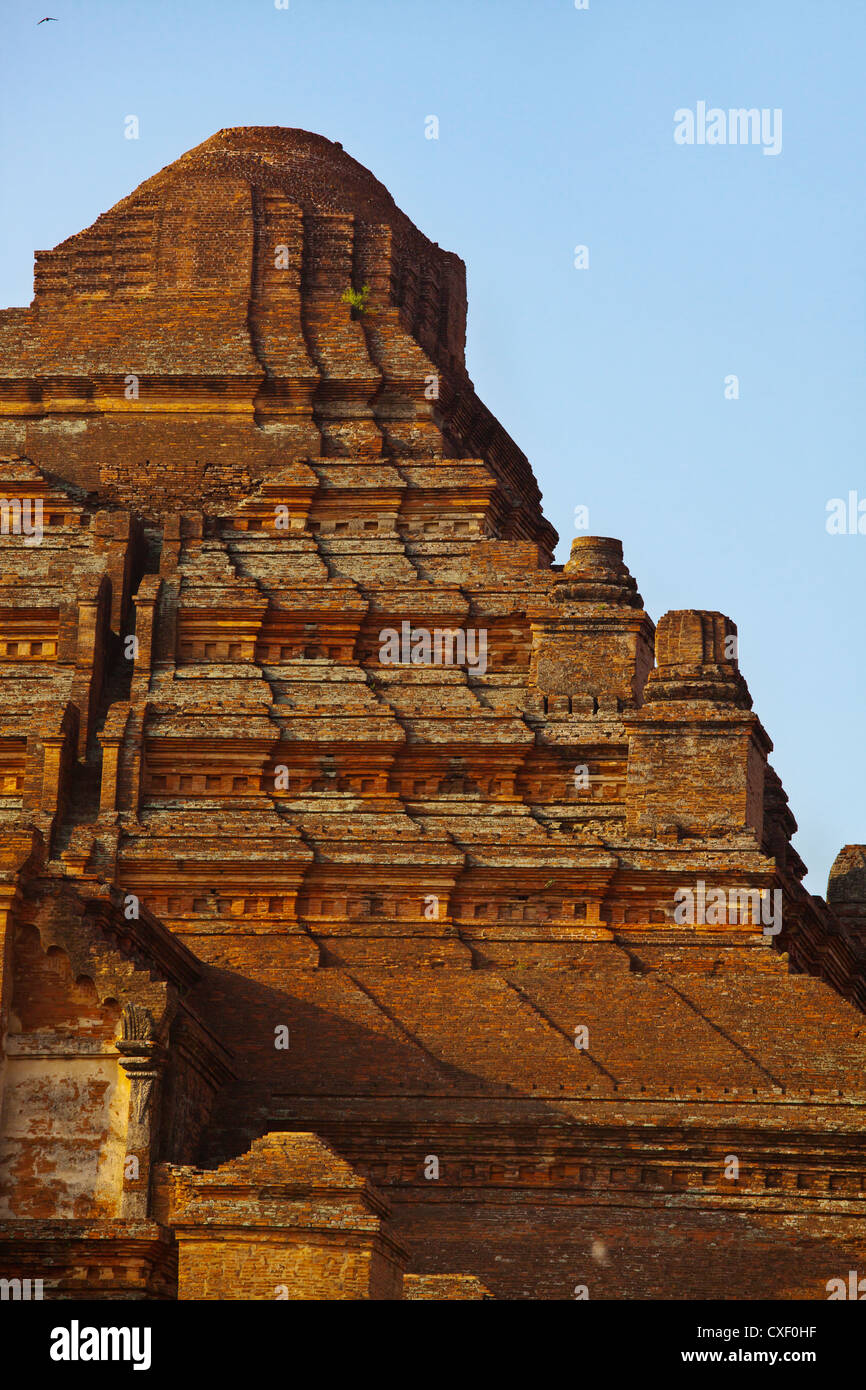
(49, 19)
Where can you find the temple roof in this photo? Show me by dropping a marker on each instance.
(214, 303)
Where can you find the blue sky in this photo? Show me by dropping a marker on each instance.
(556, 129)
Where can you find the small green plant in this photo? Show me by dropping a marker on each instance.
(356, 299)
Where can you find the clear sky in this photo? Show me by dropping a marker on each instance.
(556, 129)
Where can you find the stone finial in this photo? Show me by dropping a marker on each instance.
(591, 639)
(696, 656)
(846, 889)
(689, 637)
(596, 573)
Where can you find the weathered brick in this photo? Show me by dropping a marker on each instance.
(426, 879)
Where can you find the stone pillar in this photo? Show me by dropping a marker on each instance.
(145, 603)
(697, 755)
(15, 849)
(52, 752)
(8, 899)
(111, 739)
(142, 1058)
(113, 537)
(58, 742)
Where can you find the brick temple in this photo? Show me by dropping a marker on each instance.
(387, 912)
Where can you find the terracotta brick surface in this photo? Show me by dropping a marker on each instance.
(331, 975)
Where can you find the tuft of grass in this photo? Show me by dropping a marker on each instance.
(356, 299)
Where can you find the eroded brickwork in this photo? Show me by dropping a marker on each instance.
(360, 870)
(288, 1220)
